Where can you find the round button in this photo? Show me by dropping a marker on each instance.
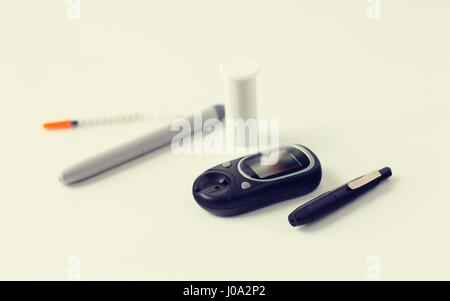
(246, 185)
(226, 164)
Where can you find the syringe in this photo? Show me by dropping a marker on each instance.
(67, 124)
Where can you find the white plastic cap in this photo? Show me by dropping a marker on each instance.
(240, 88)
(238, 70)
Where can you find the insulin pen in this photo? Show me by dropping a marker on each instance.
(333, 200)
(135, 148)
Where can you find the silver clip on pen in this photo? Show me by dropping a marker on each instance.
(133, 149)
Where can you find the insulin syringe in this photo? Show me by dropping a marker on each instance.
(67, 124)
(114, 119)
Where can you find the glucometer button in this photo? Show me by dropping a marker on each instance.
(245, 185)
(226, 164)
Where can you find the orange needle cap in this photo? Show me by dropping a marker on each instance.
(66, 124)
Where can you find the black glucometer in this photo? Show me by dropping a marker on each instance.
(251, 182)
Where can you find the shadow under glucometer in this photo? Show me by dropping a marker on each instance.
(348, 209)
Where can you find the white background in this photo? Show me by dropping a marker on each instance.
(361, 93)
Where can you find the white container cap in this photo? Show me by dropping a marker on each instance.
(238, 70)
(240, 88)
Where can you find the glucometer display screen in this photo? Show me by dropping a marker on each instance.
(289, 160)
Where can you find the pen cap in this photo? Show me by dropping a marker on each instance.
(240, 88)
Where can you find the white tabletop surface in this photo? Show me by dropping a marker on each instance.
(362, 93)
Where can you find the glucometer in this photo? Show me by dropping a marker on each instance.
(250, 182)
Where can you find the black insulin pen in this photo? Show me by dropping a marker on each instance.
(333, 200)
